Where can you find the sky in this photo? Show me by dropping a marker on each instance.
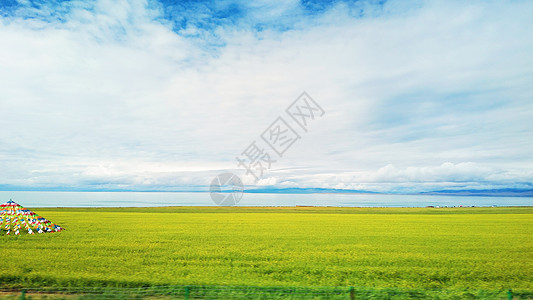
(165, 95)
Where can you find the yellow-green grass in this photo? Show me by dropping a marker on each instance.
(407, 248)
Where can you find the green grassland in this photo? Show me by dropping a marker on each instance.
(449, 249)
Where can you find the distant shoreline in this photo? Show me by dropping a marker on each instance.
(468, 209)
(527, 193)
(322, 199)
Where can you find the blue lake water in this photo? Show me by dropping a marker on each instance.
(147, 199)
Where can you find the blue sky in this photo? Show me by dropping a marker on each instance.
(163, 95)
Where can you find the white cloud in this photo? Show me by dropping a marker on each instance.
(417, 96)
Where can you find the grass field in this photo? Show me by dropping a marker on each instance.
(450, 249)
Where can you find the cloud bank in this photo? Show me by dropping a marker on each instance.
(152, 95)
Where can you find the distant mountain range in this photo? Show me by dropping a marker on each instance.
(505, 192)
(508, 192)
(489, 193)
(273, 190)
